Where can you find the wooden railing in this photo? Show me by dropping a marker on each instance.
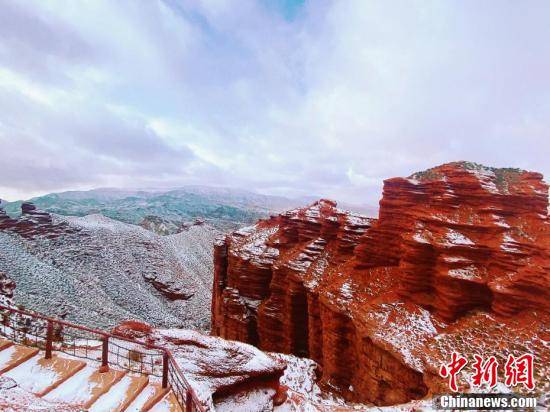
(50, 334)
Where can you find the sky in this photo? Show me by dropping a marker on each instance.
(287, 97)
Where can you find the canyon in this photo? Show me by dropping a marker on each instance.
(97, 271)
(103, 273)
(458, 260)
(347, 309)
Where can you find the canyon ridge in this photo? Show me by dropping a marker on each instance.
(457, 261)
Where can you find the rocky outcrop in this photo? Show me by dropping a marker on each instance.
(221, 372)
(462, 236)
(172, 289)
(6, 222)
(457, 250)
(33, 223)
(7, 286)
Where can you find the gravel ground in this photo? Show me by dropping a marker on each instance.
(97, 277)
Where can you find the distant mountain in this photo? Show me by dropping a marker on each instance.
(223, 208)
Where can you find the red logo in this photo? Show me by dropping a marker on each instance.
(450, 370)
(485, 372)
(517, 370)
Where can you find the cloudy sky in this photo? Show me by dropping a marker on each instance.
(287, 97)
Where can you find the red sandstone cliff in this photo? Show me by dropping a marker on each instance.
(459, 259)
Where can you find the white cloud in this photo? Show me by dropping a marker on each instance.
(132, 93)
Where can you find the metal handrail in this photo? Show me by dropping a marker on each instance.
(171, 373)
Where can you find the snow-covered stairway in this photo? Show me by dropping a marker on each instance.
(80, 383)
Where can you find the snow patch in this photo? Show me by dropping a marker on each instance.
(75, 390)
(457, 238)
(467, 273)
(114, 397)
(33, 377)
(346, 290)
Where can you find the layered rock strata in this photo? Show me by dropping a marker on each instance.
(32, 223)
(98, 271)
(457, 250)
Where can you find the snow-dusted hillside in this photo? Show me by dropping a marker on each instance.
(108, 271)
(223, 208)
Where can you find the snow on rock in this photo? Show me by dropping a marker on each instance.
(7, 287)
(467, 273)
(456, 238)
(94, 268)
(253, 400)
(368, 302)
(7, 355)
(403, 329)
(216, 368)
(301, 378)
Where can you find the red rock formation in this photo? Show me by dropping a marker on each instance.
(457, 250)
(33, 223)
(169, 289)
(219, 371)
(133, 329)
(5, 221)
(7, 286)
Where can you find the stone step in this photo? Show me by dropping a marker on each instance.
(4, 343)
(40, 376)
(121, 395)
(74, 382)
(148, 398)
(14, 355)
(85, 387)
(167, 404)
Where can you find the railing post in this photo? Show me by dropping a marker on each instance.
(188, 400)
(49, 340)
(165, 361)
(105, 355)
